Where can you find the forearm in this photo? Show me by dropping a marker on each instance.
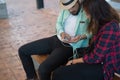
(79, 60)
(75, 61)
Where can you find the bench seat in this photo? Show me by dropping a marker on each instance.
(41, 58)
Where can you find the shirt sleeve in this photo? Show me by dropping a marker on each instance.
(103, 42)
(59, 26)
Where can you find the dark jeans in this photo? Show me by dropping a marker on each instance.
(59, 55)
(81, 71)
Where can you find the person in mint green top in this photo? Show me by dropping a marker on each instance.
(72, 27)
(71, 35)
(78, 32)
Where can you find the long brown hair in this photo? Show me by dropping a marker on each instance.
(100, 12)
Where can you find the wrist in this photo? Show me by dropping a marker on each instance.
(84, 36)
(81, 60)
(74, 61)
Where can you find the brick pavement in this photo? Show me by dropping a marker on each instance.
(25, 24)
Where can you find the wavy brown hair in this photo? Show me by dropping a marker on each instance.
(100, 13)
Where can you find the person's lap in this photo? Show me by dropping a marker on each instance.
(80, 71)
(41, 46)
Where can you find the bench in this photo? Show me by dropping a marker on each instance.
(41, 58)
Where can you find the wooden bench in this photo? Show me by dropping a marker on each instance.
(41, 58)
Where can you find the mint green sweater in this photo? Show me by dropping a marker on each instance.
(81, 26)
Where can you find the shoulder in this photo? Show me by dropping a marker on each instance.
(111, 30)
(112, 25)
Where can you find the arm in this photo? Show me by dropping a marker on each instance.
(103, 43)
(59, 27)
(87, 22)
(75, 61)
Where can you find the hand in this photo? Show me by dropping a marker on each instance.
(75, 61)
(65, 37)
(69, 62)
(84, 36)
(75, 39)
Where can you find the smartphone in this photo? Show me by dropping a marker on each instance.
(66, 39)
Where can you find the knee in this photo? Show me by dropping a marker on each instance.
(21, 50)
(55, 75)
(42, 70)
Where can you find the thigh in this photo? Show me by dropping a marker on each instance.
(79, 71)
(42, 46)
(58, 57)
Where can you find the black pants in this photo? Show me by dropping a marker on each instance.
(59, 55)
(81, 71)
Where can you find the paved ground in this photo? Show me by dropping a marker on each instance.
(25, 24)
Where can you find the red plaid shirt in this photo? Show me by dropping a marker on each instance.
(107, 49)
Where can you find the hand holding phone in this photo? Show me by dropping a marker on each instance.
(65, 39)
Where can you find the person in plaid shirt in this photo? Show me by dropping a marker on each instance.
(104, 60)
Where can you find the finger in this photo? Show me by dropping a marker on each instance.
(72, 41)
(66, 41)
(75, 40)
(78, 37)
(68, 37)
(68, 64)
(62, 36)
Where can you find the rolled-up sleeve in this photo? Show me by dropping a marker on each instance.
(59, 26)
